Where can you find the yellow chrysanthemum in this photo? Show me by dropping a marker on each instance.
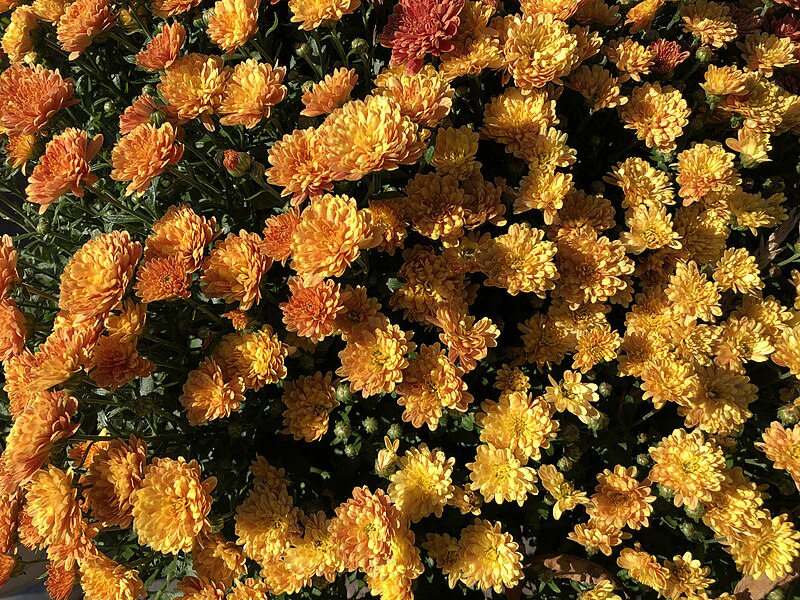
(422, 484)
(327, 95)
(170, 509)
(310, 14)
(82, 21)
(308, 400)
(500, 476)
(232, 23)
(517, 422)
(709, 21)
(657, 115)
(520, 261)
(621, 499)
(194, 85)
(490, 559)
(705, 168)
(250, 92)
(374, 358)
(643, 567)
(769, 550)
(218, 560)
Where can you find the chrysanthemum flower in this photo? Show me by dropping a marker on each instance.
(705, 168)
(17, 40)
(735, 510)
(657, 115)
(63, 168)
(208, 395)
(519, 423)
(19, 150)
(49, 11)
(163, 279)
(329, 94)
(538, 49)
(431, 382)
(308, 400)
(752, 145)
(424, 97)
(97, 275)
(641, 183)
(737, 270)
(598, 86)
(388, 223)
(764, 52)
(310, 14)
(650, 228)
(728, 80)
(467, 338)
(277, 235)
(597, 536)
(170, 8)
(12, 329)
(363, 529)
(753, 211)
(299, 165)
(417, 28)
(105, 579)
(250, 92)
(248, 589)
(422, 484)
(520, 261)
(490, 559)
(500, 476)
(311, 309)
(434, 206)
(630, 57)
(8, 265)
(163, 49)
(114, 474)
(769, 550)
(709, 21)
(689, 465)
(82, 22)
(621, 499)
(115, 361)
(687, 576)
(257, 357)
(30, 97)
(443, 549)
(565, 495)
(51, 503)
(218, 560)
(234, 269)
(359, 310)
(369, 135)
(194, 588)
(454, 153)
(394, 578)
(60, 581)
(143, 154)
(592, 269)
(573, 395)
(143, 110)
(232, 23)
(181, 232)
(331, 234)
(692, 294)
(544, 188)
(643, 567)
(193, 84)
(782, 447)
(170, 509)
(472, 54)
(669, 54)
(640, 17)
(266, 522)
(374, 358)
(314, 553)
(544, 341)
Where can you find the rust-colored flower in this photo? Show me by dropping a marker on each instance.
(250, 92)
(8, 265)
(234, 269)
(97, 275)
(82, 22)
(193, 84)
(30, 97)
(668, 55)
(311, 309)
(145, 153)
(115, 361)
(63, 168)
(163, 279)
(163, 49)
(278, 233)
(170, 508)
(60, 581)
(114, 474)
(417, 28)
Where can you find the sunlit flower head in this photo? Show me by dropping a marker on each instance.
(181, 232)
(643, 567)
(309, 400)
(518, 423)
(257, 357)
(194, 84)
(143, 154)
(520, 261)
(327, 95)
(163, 49)
(216, 559)
(82, 22)
(657, 115)
(490, 559)
(500, 476)
(422, 484)
(232, 23)
(709, 21)
(30, 97)
(208, 394)
(17, 40)
(425, 97)
(250, 92)
(234, 269)
(310, 14)
(374, 358)
(104, 579)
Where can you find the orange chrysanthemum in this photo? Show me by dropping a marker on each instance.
(232, 23)
(63, 168)
(374, 358)
(170, 8)
(82, 22)
(181, 232)
(12, 329)
(310, 14)
(30, 97)
(251, 91)
(309, 400)
(170, 509)
(163, 49)
(144, 109)
(17, 40)
(311, 309)
(331, 234)
(97, 275)
(278, 233)
(163, 279)
(657, 115)
(105, 579)
(143, 154)
(299, 165)
(329, 94)
(234, 269)
(208, 395)
(218, 560)
(115, 361)
(193, 84)
(114, 474)
(257, 357)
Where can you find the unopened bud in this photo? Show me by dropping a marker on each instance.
(687, 529)
(360, 46)
(350, 451)
(565, 463)
(236, 163)
(642, 460)
(343, 393)
(303, 51)
(704, 55)
(789, 414)
(395, 431)
(157, 118)
(599, 422)
(370, 424)
(665, 492)
(604, 389)
(342, 430)
(570, 432)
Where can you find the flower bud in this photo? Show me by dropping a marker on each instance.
(370, 424)
(350, 451)
(360, 45)
(776, 594)
(704, 55)
(642, 459)
(789, 414)
(573, 452)
(687, 529)
(570, 433)
(342, 430)
(201, 20)
(236, 163)
(303, 51)
(395, 431)
(604, 388)
(599, 422)
(343, 393)
(149, 89)
(564, 464)
(665, 492)
(158, 118)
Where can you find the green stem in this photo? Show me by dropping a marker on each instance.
(36, 292)
(197, 306)
(115, 36)
(119, 205)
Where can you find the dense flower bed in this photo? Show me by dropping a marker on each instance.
(419, 299)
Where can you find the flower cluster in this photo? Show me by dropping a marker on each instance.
(329, 297)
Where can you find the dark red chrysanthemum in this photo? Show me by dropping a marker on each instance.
(669, 55)
(420, 27)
